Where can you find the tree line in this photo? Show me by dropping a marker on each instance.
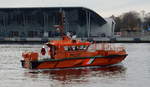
(132, 21)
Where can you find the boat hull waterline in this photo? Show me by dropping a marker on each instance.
(73, 62)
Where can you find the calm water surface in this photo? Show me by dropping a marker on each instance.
(134, 71)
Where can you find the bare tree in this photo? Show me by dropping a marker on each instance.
(146, 23)
(118, 24)
(131, 21)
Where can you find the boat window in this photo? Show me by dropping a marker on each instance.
(66, 48)
(74, 48)
(83, 47)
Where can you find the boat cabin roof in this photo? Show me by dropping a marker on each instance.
(67, 43)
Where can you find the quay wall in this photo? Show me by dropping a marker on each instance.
(92, 39)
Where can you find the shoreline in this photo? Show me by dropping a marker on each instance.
(91, 39)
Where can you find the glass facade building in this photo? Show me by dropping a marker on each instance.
(39, 22)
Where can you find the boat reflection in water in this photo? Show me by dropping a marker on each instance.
(79, 75)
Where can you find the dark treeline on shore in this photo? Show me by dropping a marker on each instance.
(132, 22)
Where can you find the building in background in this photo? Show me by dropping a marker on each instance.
(39, 22)
(106, 30)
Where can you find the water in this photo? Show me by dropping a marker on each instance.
(134, 71)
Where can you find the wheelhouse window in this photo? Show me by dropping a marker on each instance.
(74, 48)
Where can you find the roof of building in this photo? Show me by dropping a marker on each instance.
(100, 19)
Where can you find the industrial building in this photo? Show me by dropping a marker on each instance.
(39, 22)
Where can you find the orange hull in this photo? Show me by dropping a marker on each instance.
(73, 62)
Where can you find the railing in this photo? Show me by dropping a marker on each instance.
(106, 47)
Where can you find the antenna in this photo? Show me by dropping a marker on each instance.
(60, 27)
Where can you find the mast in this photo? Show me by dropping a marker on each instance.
(61, 24)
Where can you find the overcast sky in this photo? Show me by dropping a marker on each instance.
(104, 7)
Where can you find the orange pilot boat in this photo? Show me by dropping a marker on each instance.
(68, 53)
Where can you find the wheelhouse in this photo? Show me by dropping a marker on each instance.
(66, 47)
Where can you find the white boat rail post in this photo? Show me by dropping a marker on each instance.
(94, 46)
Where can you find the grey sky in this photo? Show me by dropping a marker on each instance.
(104, 7)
